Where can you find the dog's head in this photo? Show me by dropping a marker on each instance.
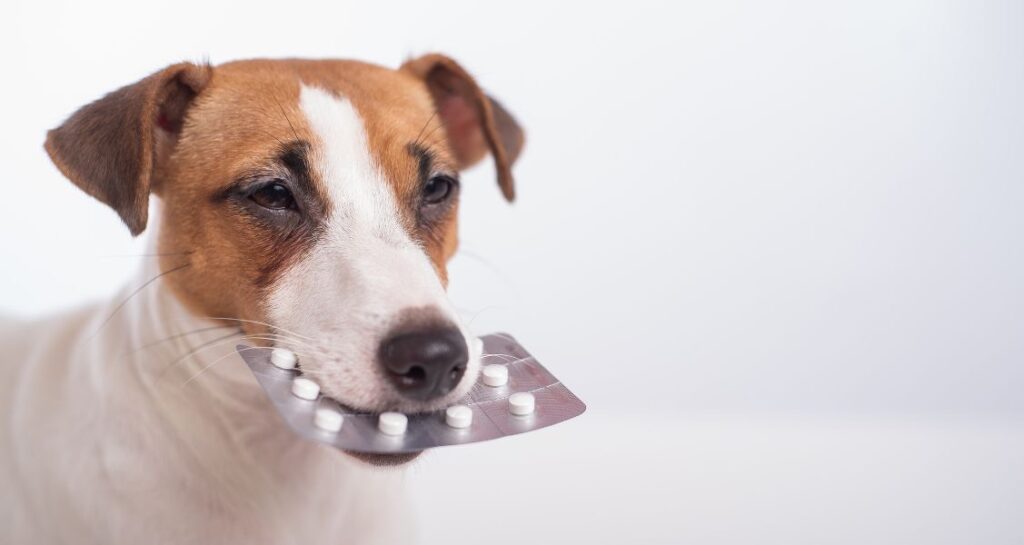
(313, 201)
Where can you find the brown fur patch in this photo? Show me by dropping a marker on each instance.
(242, 119)
(230, 127)
(111, 147)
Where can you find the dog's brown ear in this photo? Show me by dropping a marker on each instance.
(110, 148)
(475, 122)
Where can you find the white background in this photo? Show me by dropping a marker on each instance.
(776, 246)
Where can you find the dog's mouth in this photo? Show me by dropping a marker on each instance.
(382, 459)
(378, 459)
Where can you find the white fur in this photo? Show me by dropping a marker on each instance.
(110, 436)
(144, 428)
(345, 296)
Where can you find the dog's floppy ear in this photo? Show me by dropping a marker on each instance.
(110, 148)
(475, 122)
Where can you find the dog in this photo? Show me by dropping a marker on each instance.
(305, 204)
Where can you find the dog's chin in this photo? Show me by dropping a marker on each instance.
(383, 459)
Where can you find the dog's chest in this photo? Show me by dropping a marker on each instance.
(121, 460)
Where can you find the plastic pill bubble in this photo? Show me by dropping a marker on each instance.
(520, 403)
(304, 388)
(495, 375)
(392, 423)
(283, 358)
(458, 416)
(328, 419)
(479, 345)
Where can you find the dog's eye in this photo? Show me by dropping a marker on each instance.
(439, 189)
(274, 196)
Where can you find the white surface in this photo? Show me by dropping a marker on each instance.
(392, 423)
(305, 388)
(495, 375)
(458, 416)
(641, 478)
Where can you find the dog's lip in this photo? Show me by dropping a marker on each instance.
(377, 459)
(380, 459)
(413, 408)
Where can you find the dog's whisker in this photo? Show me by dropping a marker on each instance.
(268, 133)
(505, 357)
(439, 140)
(213, 344)
(195, 350)
(136, 292)
(214, 362)
(276, 339)
(472, 319)
(280, 340)
(281, 336)
(432, 131)
(286, 118)
(246, 349)
(165, 254)
(433, 115)
(495, 270)
(257, 322)
(179, 336)
(307, 346)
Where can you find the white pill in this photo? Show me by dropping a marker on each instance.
(304, 388)
(495, 374)
(328, 419)
(458, 416)
(283, 358)
(520, 403)
(392, 423)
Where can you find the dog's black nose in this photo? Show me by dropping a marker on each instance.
(425, 364)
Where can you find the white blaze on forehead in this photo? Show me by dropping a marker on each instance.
(358, 190)
(345, 296)
(364, 248)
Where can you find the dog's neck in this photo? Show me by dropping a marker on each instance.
(180, 407)
(170, 349)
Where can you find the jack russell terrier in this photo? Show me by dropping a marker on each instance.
(309, 204)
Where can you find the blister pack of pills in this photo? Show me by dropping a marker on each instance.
(515, 395)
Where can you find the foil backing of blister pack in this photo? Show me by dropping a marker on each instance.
(491, 417)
